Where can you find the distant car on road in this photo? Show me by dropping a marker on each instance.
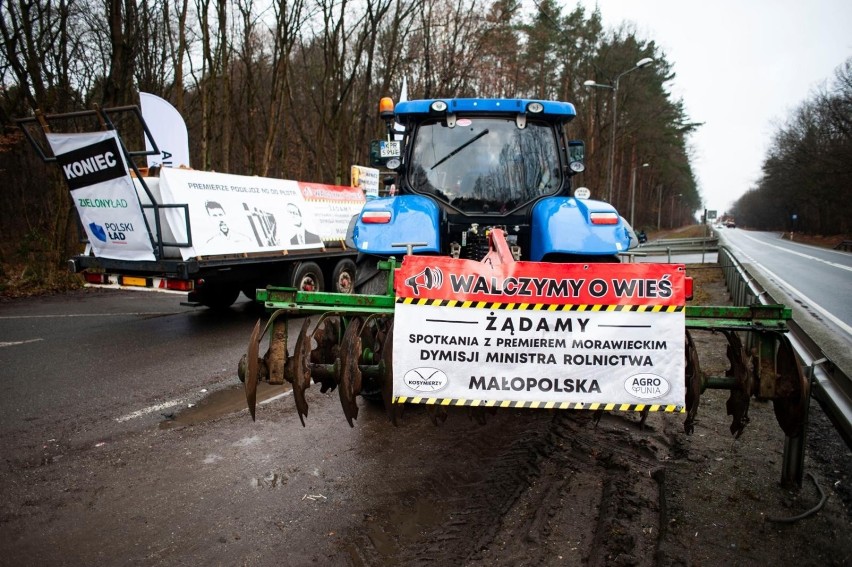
(730, 224)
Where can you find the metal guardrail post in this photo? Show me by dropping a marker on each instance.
(793, 460)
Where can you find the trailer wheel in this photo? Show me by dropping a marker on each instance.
(343, 276)
(308, 277)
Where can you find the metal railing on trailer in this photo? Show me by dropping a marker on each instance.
(36, 127)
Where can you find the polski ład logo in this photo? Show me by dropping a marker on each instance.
(98, 231)
(425, 379)
(647, 386)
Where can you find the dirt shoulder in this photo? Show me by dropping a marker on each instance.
(724, 503)
(665, 498)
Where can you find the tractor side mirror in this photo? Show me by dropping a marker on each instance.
(576, 155)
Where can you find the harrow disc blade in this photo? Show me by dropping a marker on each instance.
(437, 414)
(387, 378)
(738, 403)
(478, 414)
(643, 417)
(793, 395)
(350, 374)
(694, 385)
(252, 367)
(302, 371)
(327, 338)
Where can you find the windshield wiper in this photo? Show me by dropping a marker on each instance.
(458, 149)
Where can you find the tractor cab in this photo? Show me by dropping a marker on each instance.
(463, 166)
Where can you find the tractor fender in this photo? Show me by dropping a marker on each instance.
(564, 225)
(412, 218)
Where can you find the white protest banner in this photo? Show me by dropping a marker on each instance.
(581, 336)
(236, 214)
(366, 179)
(168, 129)
(103, 193)
(332, 207)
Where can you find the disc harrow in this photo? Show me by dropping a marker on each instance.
(351, 348)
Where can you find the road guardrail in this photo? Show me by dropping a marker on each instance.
(830, 386)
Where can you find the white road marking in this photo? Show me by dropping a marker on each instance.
(808, 256)
(15, 343)
(810, 302)
(71, 316)
(172, 403)
(149, 409)
(279, 396)
(134, 288)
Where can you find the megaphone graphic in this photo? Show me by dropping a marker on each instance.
(429, 278)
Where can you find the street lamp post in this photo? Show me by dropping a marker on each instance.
(614, 87)
(633, 192)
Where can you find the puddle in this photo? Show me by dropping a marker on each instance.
(221, 403)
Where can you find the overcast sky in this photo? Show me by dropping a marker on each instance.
(742, 67)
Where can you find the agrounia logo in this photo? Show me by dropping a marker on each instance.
(647, 386)
(425, 379)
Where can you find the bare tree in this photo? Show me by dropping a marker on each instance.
(123, 20)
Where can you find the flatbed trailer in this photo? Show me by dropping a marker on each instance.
(211, 235)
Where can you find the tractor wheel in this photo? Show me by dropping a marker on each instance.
(370, 279)
(250, 291)
(218, 297)
(308, 277)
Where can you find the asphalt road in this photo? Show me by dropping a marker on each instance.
(815, 282)
(93, 363)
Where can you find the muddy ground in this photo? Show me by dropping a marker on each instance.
(209, 487)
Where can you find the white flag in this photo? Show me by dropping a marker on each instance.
(403, 96)
(168, 130)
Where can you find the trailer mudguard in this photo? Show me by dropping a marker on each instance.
(397, 220)
(564, 225)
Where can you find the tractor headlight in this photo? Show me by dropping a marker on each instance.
(439, 106)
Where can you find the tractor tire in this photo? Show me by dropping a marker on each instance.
(250, 291)
(370, 279)
(343, 276)
(308, 277)
(218, 297)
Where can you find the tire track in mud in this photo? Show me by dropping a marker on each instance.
(526, 489)
(605, 512)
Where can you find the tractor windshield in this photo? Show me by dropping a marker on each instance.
(485, 165)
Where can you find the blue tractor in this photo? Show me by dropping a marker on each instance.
(464, 166)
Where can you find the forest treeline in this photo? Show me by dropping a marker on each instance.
(290, 89)
(806, 181)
